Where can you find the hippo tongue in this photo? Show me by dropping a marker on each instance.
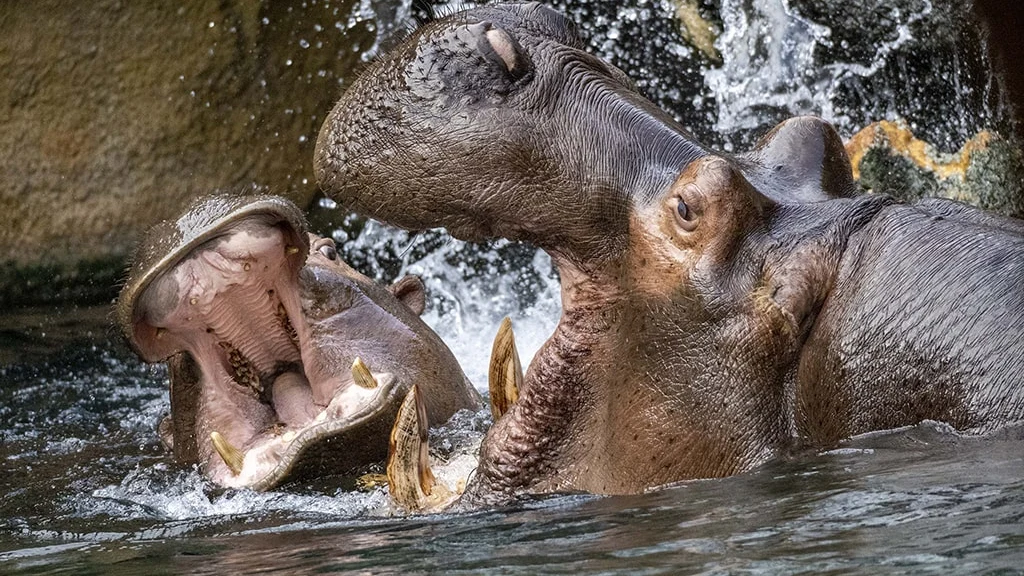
(293, 399)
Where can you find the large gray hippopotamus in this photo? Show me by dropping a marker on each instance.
(718, 310)
(284, 362)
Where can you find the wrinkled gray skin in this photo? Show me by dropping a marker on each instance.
(717, 310)
(260, 323)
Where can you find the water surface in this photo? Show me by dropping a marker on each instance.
(87, 489)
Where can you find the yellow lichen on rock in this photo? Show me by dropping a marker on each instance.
(696, 30)
(898, 138)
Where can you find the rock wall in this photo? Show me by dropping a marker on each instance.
(114, 114)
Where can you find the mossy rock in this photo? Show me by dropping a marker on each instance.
(987, 171)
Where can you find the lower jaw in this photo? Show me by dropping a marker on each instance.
(347, 436)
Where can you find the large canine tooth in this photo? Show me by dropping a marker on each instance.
(232, 456)
(410, 480)
(361, 375)
(505, 375)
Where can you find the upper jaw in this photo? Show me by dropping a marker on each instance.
(170, 242)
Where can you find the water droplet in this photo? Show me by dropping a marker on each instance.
(329, 204)
(304, 43)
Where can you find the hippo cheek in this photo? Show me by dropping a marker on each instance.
(345, 323)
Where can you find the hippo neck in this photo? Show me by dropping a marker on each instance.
(528, 448)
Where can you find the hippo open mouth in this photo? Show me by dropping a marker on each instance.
(268, 327)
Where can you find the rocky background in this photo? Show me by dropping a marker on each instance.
(114, 114)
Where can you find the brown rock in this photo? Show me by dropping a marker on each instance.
(114, 114)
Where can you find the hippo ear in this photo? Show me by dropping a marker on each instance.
(410, 291)
(801, 160)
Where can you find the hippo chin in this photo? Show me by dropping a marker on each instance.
(717, 310)
(284, 362)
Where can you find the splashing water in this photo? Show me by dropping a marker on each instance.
(767, 62)
(470, 288)
(852, 63)
(772, 66)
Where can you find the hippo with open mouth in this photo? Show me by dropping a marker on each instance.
(718, 310)
(284, 362)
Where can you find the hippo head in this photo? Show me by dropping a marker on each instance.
(284, 361)
(438, 131)
(478, 102)
(682, 310)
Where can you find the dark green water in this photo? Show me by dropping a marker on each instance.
(86, 489)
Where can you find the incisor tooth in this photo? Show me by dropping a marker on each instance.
(505, 375)
(232, 456)
(361, 375)
(290, 250)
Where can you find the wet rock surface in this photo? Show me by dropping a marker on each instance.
(853, 63)
(115, 114)
(985, 172)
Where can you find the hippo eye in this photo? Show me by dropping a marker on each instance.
(329, 251)
(684, 216)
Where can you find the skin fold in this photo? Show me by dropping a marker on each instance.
(718, 310)
(261, 325)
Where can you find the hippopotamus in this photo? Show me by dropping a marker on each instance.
(284, 362)
(719, 310)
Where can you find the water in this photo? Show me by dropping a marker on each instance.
(87, 490)
(851, 62)
(85, 487)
